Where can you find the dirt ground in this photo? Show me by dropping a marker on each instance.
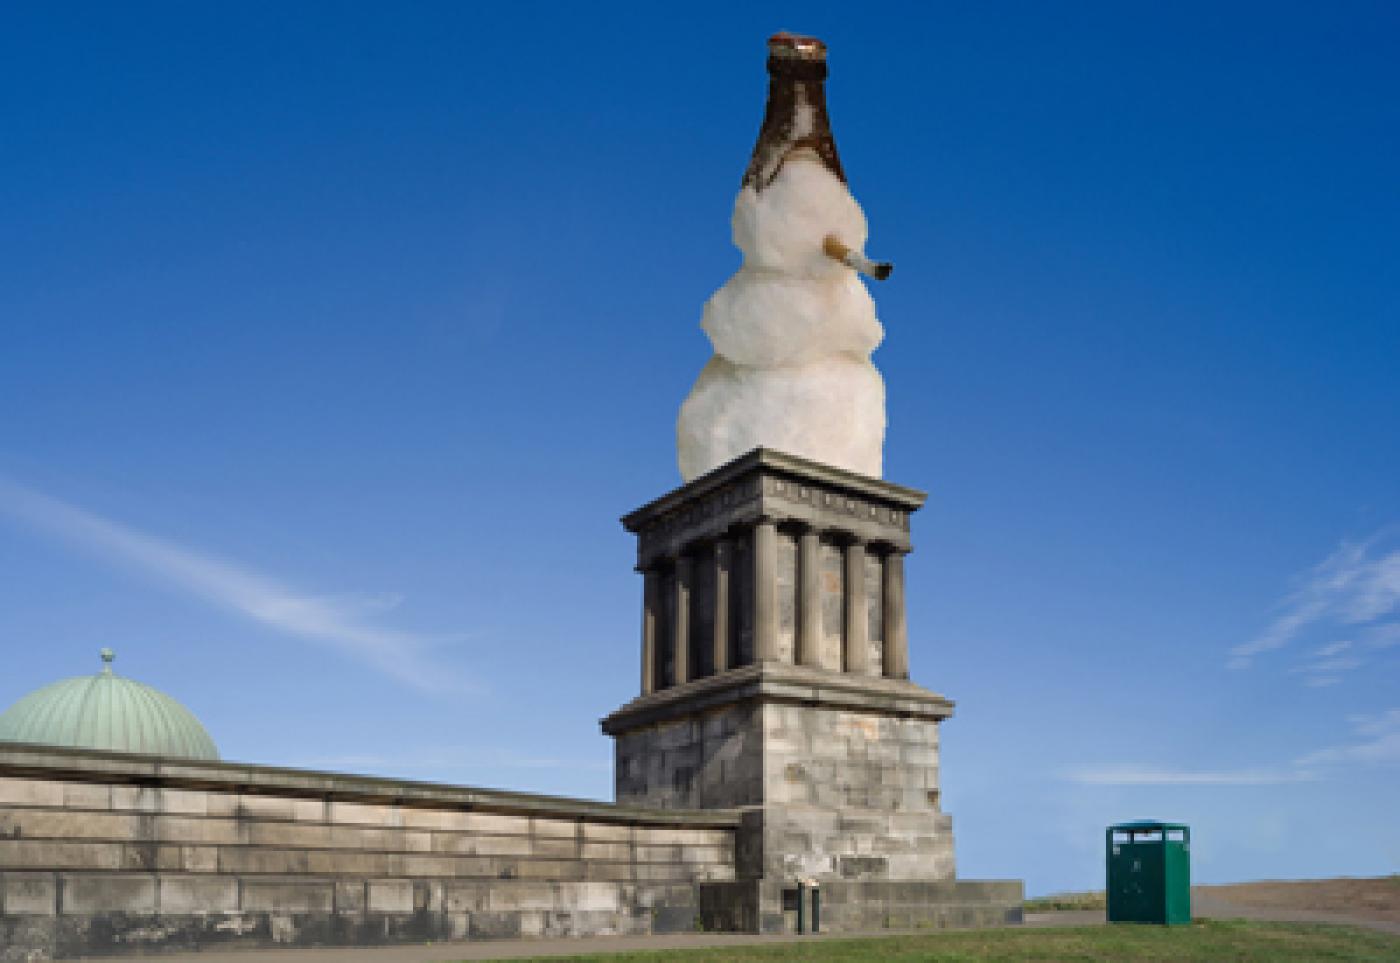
(1376, 898)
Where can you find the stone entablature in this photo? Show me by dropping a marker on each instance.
(104, 853)
(774, 485)
(774, 558)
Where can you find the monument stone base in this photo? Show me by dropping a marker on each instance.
(775, 684)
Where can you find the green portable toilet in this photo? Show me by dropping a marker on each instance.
(1149, 873)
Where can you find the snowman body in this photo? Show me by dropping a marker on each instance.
(792, 331)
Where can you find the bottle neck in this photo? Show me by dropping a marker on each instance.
(794, 120)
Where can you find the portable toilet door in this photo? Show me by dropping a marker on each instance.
(1149, 873)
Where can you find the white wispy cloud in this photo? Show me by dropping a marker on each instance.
(1134, 775)
(339, 622)
(1377, 743)
(1325, 671)
(1357, 586)
(1381, 636)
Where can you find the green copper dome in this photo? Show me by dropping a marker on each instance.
(106, 711)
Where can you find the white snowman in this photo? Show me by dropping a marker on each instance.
(794, 328)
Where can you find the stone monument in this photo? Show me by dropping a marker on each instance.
(774, 656)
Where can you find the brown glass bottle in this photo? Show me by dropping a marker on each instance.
(795, 120)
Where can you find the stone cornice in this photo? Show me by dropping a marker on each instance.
(89, 765)
(782, 683)
(771, 485)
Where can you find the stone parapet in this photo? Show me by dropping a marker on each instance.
(104, 776)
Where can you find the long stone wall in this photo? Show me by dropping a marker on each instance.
(106, 853)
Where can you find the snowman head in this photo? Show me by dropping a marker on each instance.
(781, 228)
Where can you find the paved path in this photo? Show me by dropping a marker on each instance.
(476, 950)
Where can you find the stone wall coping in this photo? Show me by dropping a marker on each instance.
(781, 682)
(97, 766)
(908, 499)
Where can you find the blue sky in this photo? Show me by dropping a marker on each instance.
(337, 337)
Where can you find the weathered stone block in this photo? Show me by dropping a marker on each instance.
(659, 854)
(197, 895)
(141, 798)
(311, 810)
(554, 848)
(571, 870)
(466, 897)
(108, 893)
(609, 872)
(658, 872)
(150, 857)
(429, 896)
(190, 829)
(445, 819)
(673, 919)
(587, 897)
(22, 791)
(191, 802)
(488, 866)
(522, 895)
(497, 823)
(56, 854)
(362, 813)
(494, 926)
(266, 861)
(609, 851)
(554, 827)
(68, 824)
(254, 806)
(289, 835)
(221, 803)
(607, 832)
(288, 896)
(390, 896)
(81, 795)
(468, 844)
(347, 862)
(29, 894)
(349, 896)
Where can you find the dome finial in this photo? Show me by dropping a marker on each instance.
(107, 656)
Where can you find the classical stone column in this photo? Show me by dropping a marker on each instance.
(896, 638)
(765, 591)
(680, 631)
(809, 599)
(857, 634)
(651, 605)
(724, 558)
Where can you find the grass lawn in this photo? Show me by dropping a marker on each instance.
(1207, 940)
